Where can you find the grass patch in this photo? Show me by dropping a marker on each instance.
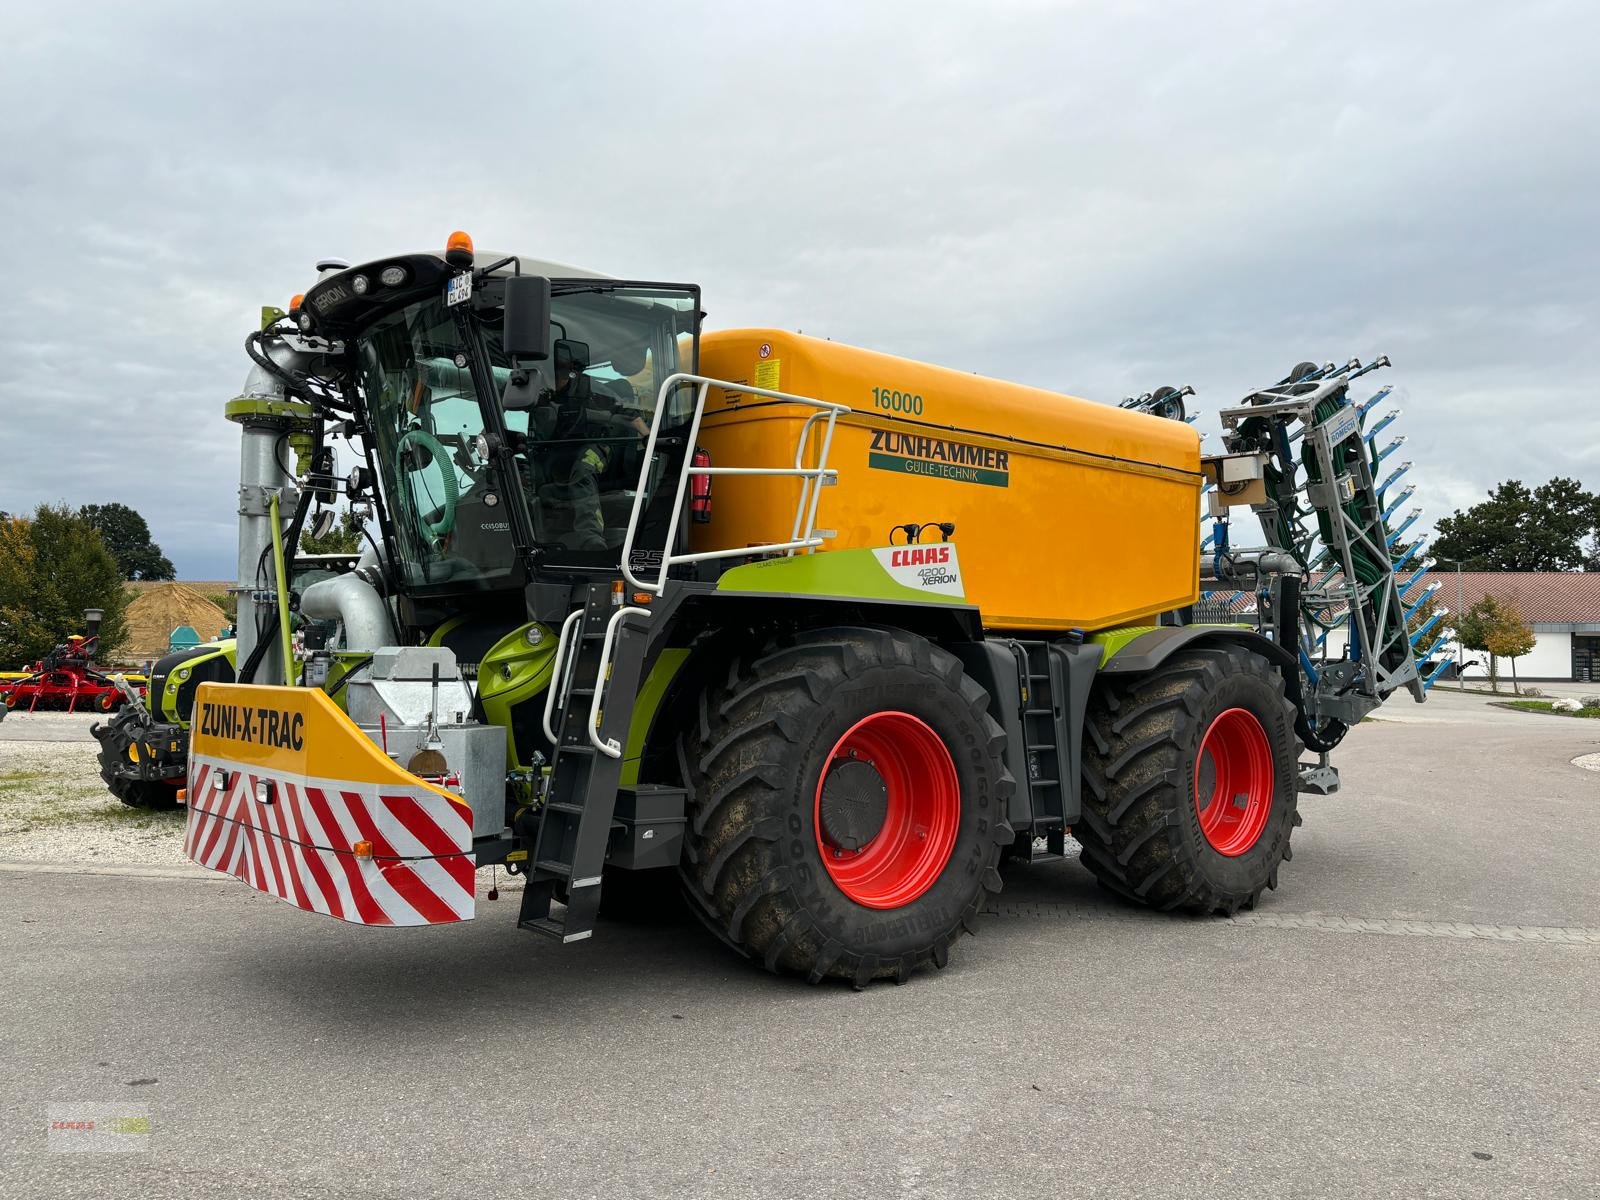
(17, 781)
(111, 815)
(1544, 706)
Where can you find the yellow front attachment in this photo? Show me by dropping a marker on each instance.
(1067, 513)
(289, 795)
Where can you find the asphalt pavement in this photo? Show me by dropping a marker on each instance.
(1412, 1014)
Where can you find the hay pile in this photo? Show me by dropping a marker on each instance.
(157, 610)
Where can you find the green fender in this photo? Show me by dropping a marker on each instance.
(516, 670)
(1136, 649)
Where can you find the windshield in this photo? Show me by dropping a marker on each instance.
(579, 449)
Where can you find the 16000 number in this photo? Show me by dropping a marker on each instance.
(900, 402)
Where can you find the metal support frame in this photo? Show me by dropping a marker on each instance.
(1375, 614)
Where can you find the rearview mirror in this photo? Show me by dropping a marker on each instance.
(527, 318)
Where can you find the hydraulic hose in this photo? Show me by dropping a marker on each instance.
(291, 383)
(281, 589)
(439, 457)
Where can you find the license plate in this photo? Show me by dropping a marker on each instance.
(458, 289)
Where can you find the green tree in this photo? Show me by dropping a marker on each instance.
(127, 536)
(343, 538)
(228, 602)
(1510, 637)
(52, 568)
(1497, 629)
(23, 635)
(1548, 528)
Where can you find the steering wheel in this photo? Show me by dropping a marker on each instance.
(439, 457)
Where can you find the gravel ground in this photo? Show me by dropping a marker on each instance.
(55, 808)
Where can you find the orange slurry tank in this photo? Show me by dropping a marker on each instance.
(1068, 514)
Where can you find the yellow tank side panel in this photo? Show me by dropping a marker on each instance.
(1068, 513)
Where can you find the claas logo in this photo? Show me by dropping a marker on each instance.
(920, 556)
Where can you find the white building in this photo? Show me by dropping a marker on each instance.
(1562, 608)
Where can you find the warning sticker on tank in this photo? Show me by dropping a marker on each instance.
(932, 568)
(767, 373)
(917, 454)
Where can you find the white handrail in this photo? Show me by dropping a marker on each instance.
(611, 748)
(810, 488)
(557, 683)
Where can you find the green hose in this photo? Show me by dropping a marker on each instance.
(281, 583)
(447, 472)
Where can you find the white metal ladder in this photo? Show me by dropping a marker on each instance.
(803, 534)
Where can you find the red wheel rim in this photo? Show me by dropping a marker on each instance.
(922, 811)
(1233, 782)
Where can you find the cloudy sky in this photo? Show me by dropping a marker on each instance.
(1094, 197)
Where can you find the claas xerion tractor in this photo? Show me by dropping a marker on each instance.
(827, 633)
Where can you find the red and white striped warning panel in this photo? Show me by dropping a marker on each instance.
(372, 854)
(290, 796)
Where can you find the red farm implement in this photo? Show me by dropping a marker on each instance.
(66, 678)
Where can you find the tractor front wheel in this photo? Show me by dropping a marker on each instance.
(847, 805)
(1191, 782)
(119, 745)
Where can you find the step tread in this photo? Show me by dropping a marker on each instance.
(553, 928)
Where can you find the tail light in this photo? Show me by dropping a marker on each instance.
(700, 489)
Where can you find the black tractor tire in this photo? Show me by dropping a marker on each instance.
(1143, 828)
(115, 736)
(766, 741)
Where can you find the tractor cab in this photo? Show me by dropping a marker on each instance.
(489, 460)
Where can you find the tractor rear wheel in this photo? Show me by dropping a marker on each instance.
(847, 805)
(1191, 782)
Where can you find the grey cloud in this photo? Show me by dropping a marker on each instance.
(1095, 197)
